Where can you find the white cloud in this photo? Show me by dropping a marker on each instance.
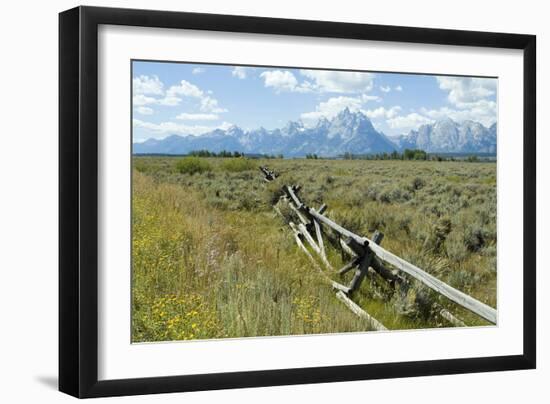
(141, 99)
(408, 122)
(161, 130)
(147, 85)
(282, 80)
(198, 70)
(239, 72)
(338, 82)
(319, 81)
(382, 112)
(169, 101)
(144, 110)
(186, 89)
(385, 89)
(398, 88)
(470, 98)
(209, 104)
(466, 90)
(197, 117)
(330, 108)
(173, 96)
(482, 111)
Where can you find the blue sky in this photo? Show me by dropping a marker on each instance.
(191, 99)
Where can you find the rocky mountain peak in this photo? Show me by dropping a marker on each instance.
(348, 131)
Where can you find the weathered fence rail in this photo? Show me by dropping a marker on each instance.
(268, 174)
(368, 255)
(462, 299)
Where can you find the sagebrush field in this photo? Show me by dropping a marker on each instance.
(211, 258)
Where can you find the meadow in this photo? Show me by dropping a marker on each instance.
(211, 258)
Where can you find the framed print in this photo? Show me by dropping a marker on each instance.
(251, 201)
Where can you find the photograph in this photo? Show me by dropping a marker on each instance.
(277, 201)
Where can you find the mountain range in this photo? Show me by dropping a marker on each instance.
(347, 132)
(448, 136)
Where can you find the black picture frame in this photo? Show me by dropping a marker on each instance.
(78, 201)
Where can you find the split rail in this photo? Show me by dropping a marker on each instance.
(367, 256)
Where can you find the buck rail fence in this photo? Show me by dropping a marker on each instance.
(366, 257)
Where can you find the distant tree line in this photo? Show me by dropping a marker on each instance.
(408, 154)
(208, 153)
(414, 154)
(227, 154)
(272, 156)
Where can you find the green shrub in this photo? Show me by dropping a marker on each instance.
(238, 164)
(393, 194)
(475, 237)
(192, 165)
(142, 168)
(350, 220)
(440, 217)
(455, 247)
(272, 193)
(418, 183)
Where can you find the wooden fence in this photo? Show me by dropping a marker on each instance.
(367, 256)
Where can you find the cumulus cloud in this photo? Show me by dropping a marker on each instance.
(174, 95)
(408, 122)
(144, 110)
(338, 82)
(282, 80)
(198, 70)
(209, 104)
(147, 85)
(197, 117)
(382, 112)
(141, 99)
(149, 90)
(398, 88)
(471, 98)
(482, 111)
(239, 72)
(466, 90)
(385, 89)
(319, 81)
(161, 130)
(169, 101)
(331, 107)
(186, 89)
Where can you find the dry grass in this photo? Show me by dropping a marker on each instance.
(211, 260)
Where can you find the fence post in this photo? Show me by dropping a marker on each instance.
(366, 257)
(361, 270)
(377, 237)
(373, 258)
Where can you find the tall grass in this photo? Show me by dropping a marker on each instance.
(209, 244)
(193, 165)
(238, 164)
(199, 273)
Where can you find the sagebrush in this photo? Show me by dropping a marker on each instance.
(212, 260)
